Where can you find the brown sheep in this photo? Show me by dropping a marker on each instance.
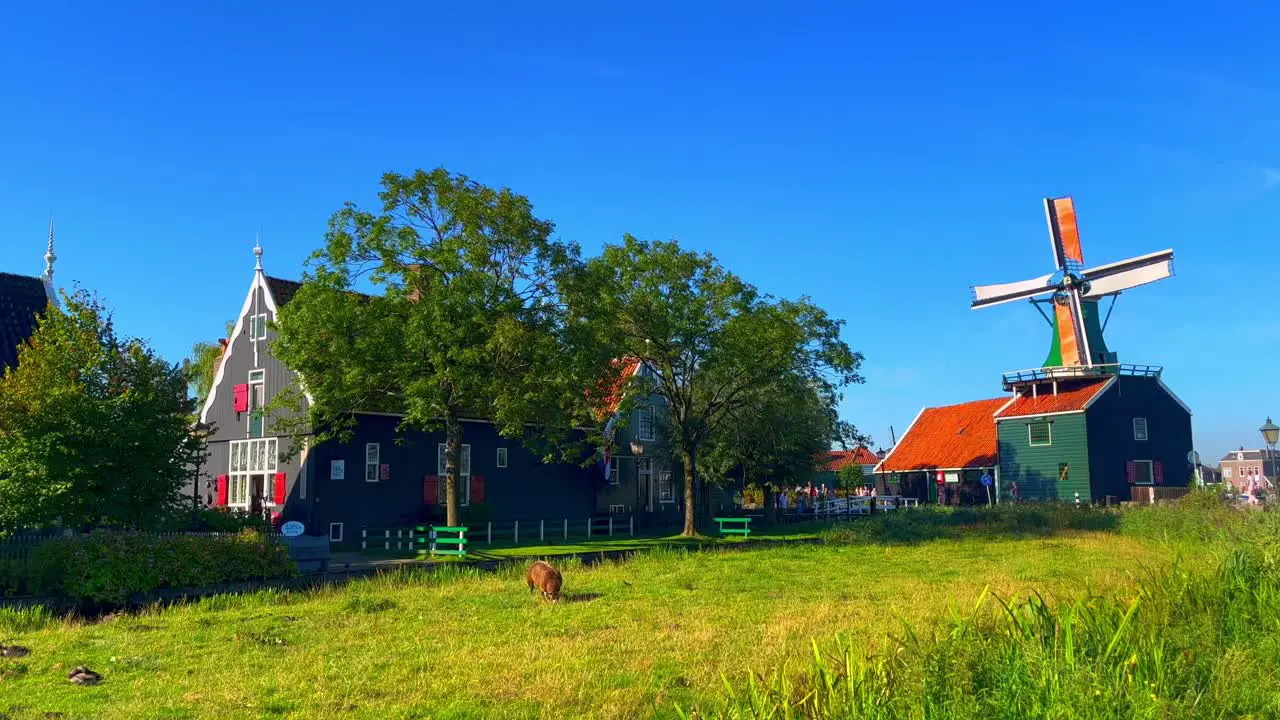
(545, 578)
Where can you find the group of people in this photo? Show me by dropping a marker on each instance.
(802, 498)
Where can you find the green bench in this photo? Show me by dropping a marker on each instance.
(734, 526)
(455, 544)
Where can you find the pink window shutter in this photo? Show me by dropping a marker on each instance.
(1132, 469)
(240, 398)
(1157, 472)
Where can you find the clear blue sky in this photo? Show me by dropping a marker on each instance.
(878, 158)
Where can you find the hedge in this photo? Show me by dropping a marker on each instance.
(108, 566)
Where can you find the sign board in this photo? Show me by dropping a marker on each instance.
(337, 469)
(953, 477)
(385, 471)
(986, 479)
(293, 528)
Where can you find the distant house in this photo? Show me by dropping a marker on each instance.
(1238, 466)
(828, 470)
(381, 478)
(1096, 438)
(22, 298)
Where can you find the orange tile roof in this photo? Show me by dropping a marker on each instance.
(1071, 397)
(943, 438)
(608, 392)
(838, 459)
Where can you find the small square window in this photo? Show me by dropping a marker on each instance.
(1039, 434)
(502, 457)
(1140, 429)
(335, 532)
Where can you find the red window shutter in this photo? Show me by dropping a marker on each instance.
(222, 490)
(477, 488)
(431, 490)
(1132, 469)
(1157, 472)
(240, 396)
(280, 488)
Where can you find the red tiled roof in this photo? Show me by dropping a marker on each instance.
(1071, 397)
(942, 438)
(836, 460)
(610, 394)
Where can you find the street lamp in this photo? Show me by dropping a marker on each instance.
(1270, 435)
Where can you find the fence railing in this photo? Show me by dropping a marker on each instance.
(861, 505)
(514, 532)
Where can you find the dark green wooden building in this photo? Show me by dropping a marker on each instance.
(1092, 433)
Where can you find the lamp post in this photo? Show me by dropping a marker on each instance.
(1270, 435)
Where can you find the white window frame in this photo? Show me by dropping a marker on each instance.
(1226, 471)
(1140, 436)
(501, 460)
(333, 525)
(613, 471)
(258, 326)
(644, 423)
(257, 400)
(1033, 443)
(246, 458)
(665, 480)
(617, 509)
(373, 450)
(464, 473)
(644, 471)
(1151, 473)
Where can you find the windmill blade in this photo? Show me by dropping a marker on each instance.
(1129, 273)
(987, 295)
(1068, 337)
(1064, 234)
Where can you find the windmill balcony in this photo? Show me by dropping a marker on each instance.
(1032, 376)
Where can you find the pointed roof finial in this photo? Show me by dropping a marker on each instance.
(257, 251)
(49, 257)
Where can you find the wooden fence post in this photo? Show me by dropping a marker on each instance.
(566, 528)
(490, 532)
(364, 539)
(631, 526)
(588, 528)
(610, 526)
(541, 530)
(516, 534)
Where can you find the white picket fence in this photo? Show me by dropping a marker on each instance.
(861, 505)
(406, 538)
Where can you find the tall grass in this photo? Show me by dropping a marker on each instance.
(1183, 643)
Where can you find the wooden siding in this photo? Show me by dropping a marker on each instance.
(1111, 442)
(1036, 469)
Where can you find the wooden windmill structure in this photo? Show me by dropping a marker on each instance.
(1073, 293)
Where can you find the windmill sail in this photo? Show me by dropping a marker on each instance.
(984, 295)
(1064, 233)
(1130, 273)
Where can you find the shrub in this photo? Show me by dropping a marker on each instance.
(108, 566)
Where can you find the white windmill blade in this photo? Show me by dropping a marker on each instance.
(986, 295)
(1129, 273)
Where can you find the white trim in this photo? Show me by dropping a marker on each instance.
(502, 457)
(1041, 415)
(671, 482)
(1175, 397)
(904, 437)
(1105, 387)
(333, 525)
(1151, 473)
(226, 356)
(377, 461)
(253, 327)
(653, 419)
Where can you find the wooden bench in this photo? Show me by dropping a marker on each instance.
(735, 526)
(455, 544)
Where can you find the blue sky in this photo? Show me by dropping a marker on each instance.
(880, 159)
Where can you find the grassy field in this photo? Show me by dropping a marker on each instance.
(637, 639)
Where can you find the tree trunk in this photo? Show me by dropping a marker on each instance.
(770, 499)
(452, 465)
(689, 457)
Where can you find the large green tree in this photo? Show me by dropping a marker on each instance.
(717, 344)
(462, 317)
(94, 428)
(201, 365)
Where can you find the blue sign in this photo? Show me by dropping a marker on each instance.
(293, 528)
(986, 479)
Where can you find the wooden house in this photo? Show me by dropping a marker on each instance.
(381, 478)
(829, 466)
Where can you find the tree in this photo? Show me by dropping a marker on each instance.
(851, 476)
(466, 320)
(201, 365)
(94, 428)
(717, 345)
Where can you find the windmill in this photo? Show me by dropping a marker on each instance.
(1074, 292)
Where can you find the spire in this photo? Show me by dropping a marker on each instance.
(49, 259)
(257, 251)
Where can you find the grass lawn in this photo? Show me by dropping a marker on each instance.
(628, 641)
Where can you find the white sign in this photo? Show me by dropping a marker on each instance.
(953, 477)
(337, 469)
(293, 528)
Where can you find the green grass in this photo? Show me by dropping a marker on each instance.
(630, 640)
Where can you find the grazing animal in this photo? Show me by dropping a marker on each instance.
(14, 651)
(84, 676)
(544, 578)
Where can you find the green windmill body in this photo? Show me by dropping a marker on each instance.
(1093, 331)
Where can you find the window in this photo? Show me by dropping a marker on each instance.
(1226, 471)
(613, 471)
(335, 532)
(666, 491)
(644, 471)
(257, 401)
(1142, 473)
(617, 509)
(1039, 434)
(250, 463)
(372, 455)
(644, 423)
(258, 327)
(1140, 429)
(464, 473)
(502, 457)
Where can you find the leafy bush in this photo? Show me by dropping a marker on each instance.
(113, 566)
(934, 523)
